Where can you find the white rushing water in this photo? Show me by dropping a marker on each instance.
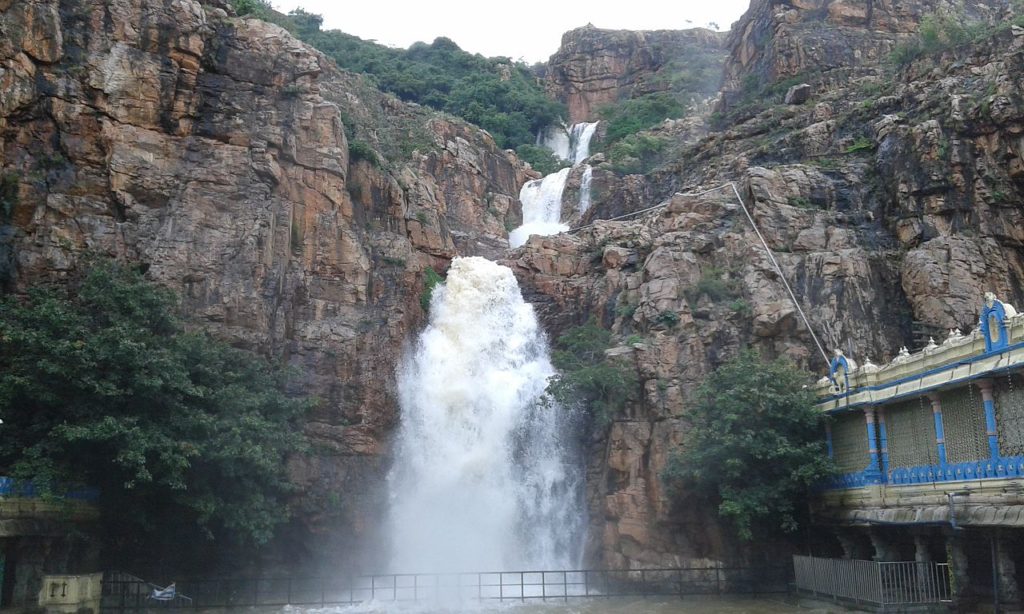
(482, 478)
(585, 180)
(579, 141)
(542, 198)
(542, 208)
(555, 138)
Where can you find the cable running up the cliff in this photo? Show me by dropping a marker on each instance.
(764, 244)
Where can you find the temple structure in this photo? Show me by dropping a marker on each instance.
(931, 450)
(40, 536)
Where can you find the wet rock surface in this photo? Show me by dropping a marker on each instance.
(594, 67)
(290, 205)
(891, 198)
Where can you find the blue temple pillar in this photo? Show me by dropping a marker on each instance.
(940, 430)
(873, 474)
(883, 443)
(828, 440)
(985, 385)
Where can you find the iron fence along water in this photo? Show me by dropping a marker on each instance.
(122, 592)
(876, 583)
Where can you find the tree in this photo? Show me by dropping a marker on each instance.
(756, 446)
(586, 375)
(184, 436)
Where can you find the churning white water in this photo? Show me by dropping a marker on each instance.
(542, 198)
(542, 208)
(579, 141)
(484, 476)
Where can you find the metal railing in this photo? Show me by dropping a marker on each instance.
(122, 593)
(876, 583)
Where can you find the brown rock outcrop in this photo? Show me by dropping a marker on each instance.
(292, 207)
(891, 198)
(776, 39)
(595, 67)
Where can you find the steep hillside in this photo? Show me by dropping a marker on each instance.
(293, 208)
(891, 197)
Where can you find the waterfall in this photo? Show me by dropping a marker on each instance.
(556, 138)
(542, 198)
(482, 478)
(579, 142)
(585, 180)
(542, 208)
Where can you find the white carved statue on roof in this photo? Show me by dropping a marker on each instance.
(902, 357)
(990, 299)
(851, 363)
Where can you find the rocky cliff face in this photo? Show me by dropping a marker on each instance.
(595, 67)
(292, 207)
(295, 209)
(893, 196)
(776, 39)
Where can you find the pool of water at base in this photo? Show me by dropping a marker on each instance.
(613, 605)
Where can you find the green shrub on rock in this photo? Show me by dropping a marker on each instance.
(756, 446)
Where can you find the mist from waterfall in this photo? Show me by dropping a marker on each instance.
(486, 475)
(542, 198)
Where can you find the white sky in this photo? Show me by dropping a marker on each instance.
(523, 29)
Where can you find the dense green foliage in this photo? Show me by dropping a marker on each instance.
(542, 159)
(497, 94)
(430, 280)
(632, 116)
(939, 32)
(949, 30)
(756, 446)
(184, 436)
(589, 377)
(713, 284)
(637, 153)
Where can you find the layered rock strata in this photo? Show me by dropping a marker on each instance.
(595, 67)
(891, 197)
(291, 206)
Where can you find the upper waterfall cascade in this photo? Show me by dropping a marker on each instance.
(542, 198)
(483, 479)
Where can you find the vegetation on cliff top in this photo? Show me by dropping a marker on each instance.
(497, 94)
(184, 436)
(756, 446)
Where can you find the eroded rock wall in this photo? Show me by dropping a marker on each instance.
(892, 199)
(291, 206)
(777, 39)
(595, 67)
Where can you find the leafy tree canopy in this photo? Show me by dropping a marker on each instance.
(756, 445)
(497, 94)
(184, 436)
(586, 375)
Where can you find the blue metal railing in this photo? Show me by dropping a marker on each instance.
(9, 487)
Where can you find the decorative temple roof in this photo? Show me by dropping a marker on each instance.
(996, 345)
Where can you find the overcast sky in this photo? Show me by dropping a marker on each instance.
(527, 29)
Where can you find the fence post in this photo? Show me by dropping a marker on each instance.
(718, 579)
